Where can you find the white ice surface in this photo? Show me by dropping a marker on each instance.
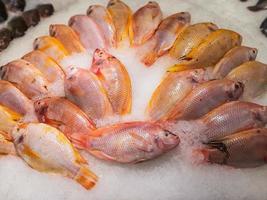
(170, 177)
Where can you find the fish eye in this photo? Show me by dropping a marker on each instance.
(166, 134)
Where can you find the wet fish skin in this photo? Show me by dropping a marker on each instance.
(115, 79)
(121, 16)
(166, 35)
(205, 97)
(46, 149)
(233, 58)
(88, 31)
(144, 23)
(104, 20)
(244, 149)
(232, 117)
(67, 37)
(84, 89)
(131, 142)
(172, 89)
(190, 38)
(254, 76)
(65, 116)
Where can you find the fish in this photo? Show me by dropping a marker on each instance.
(144, 23)
(67, 37)
(14, 99)
(15, 5)
(210, 50)
(121, 16)
(190, 38)
(232, 117)
(263, 27)
(165, 36)
(233, 58)
(205, 97)
(27, 78)
(115, 79)
(51, 47)
(244, 149)
(84, 89)
(6, 145)
(46, 149)
(17, 26)
(254, 76)
(88, 31)
(172, 89)
(130, 142)
(51, 70)
(65, 116)
(8, 119)
(3, 12)
(31, 17)
(45, 9)
(103, 19)
(5, 38)
(260, 5)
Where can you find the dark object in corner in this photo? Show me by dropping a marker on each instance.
(45, 10)
(3, 12)
(260, 5)
(17, 26)
(15, 5)
(31, 17)
(243, 0)
(263, 27)
(5, 38)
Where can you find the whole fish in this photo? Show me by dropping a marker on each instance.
(144, 23)
(205, 97)
(244, 149)
(233, 58)
(166, 35)
(6, 145)
(65, 116)
(89, 32)
(121, 16)
(254, 76)
(85, 90)
(131, 142)
(14, 99)
(26, 78)
(190, 38)
(51, 47)
(51, 70)
(8, 119)
(67, 37)
(115, 79)
(172, 89)
(104, 20)
(210, 50)
(46, 149)
(233, 117)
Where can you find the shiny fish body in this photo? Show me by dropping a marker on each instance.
(233, 117)
(145, 21)
(131, 142)
(204, 98)
(85, 90)
(190, 38)
(51, 47)
(67, 37)
(8, 119)
(244, 149)
(173, 88)
(104, 20)
(166, 35)
(26, 78)
(121, 16)
(65, 116)
(115, 79)
(233, 58)
(88, 31)
(254, 76)
(46, 149)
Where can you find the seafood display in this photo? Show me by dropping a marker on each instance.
(49, 112)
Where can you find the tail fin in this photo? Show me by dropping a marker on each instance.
(79, 140)
(150, 58)
(86, 178)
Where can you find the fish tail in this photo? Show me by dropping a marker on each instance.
(150, 58)
(86, 178)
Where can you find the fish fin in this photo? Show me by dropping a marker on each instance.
(141, 143)
(86, 178)
(178, 68)
(79, 140)
(131, 34)
(150, 58)
(101, 155)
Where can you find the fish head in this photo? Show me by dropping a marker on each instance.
(166, 140)
(41, 107)
(253, 53)
(236, 90)
(184, 17)
(52, 29)
(100, 56)
(152, 4)
(18, 133)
